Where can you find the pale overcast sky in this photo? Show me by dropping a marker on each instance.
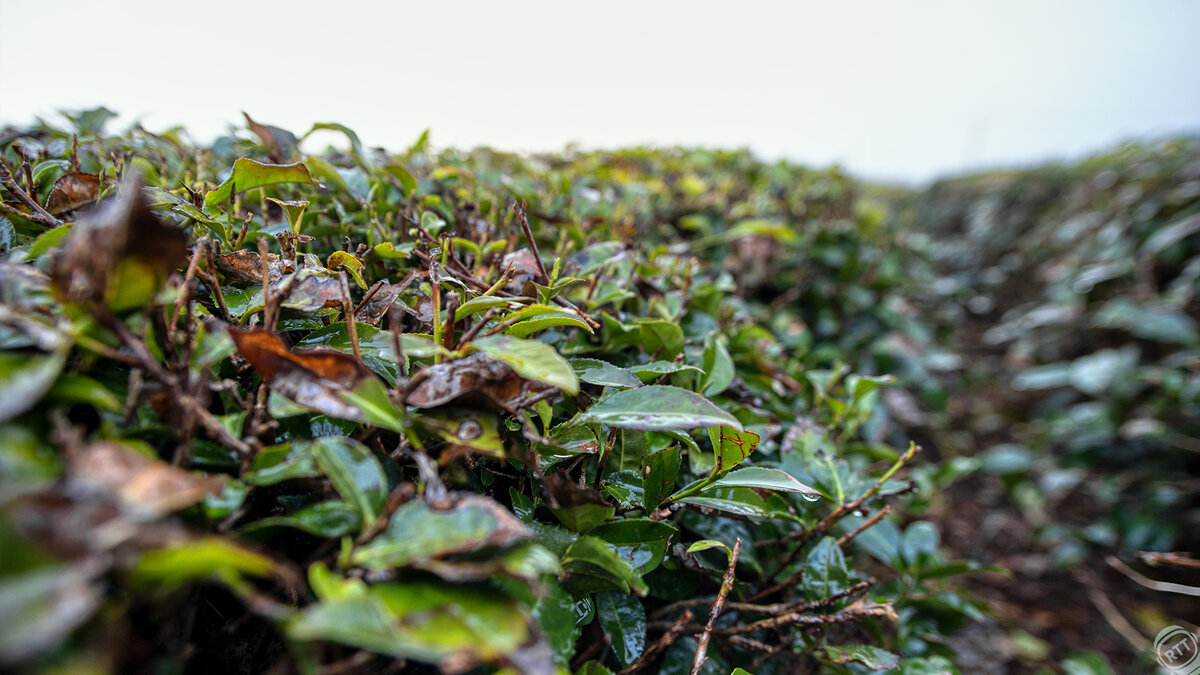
(890, 89)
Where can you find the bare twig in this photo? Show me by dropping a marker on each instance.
(210, 280)
(452, 303)
(726, 585)
(875, 518)
(473, 330)
(520, 211)
(268, 319)
(851, 614)
(1113, 616)
(348, 311)
(773, 609)
(394, 322)
(185, 292)
(184, 400)
(1142, 580)
(37, 213)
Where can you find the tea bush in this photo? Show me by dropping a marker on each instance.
(266, 409)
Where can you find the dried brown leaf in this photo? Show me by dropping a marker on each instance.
(477, 379)
(119, 254)
(72, 191)
(246, 266)
(314, 378)
(140, 483)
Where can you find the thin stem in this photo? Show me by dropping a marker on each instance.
(520, 211)
(726, 585)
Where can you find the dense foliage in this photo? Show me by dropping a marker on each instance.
(265, 409)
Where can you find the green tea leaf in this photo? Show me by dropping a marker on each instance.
(25, 379)
(605, 374)
(531, 359)
(624, 621)
(656, 408)
(764, 478)
(248, 174)
(418, 532)
(355, 473)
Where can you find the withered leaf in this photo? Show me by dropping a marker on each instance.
(312, 292)
(140, 483)
(281, 144)
(377, 307)
(72, 191)
(314, 378)
(119, 254)
(246, 266)
(477, 379)
(524, 268)
(419, 306)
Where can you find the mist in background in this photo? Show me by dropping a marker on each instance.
(891, 90)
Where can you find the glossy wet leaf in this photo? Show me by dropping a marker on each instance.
(656, 408)
(765, 478)
(466, 431)
(605, 374)
(662, 473)
(737, 501)
(418, 532)
(555, 614)
(825, 571)
(248, 174)
(656, 369)
(593, 564)
(355, 473)
(624, 621)
(708, 545)
(641, 541)
(531, 359)
(718, 367)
